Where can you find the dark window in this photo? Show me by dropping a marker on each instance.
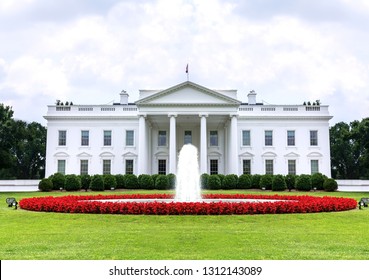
(269, 166)
(246, 166)
(130, 138)
(246, 141)
(214, 138)
(290, 138)
(313, 138)
(188, 137)
(162, 166)
(129, 166)
(292, 167)
(268, 138)
(106, 166)
(213, 166)
(84, 167)
(107, 137)
(62, 137)
(85, 137)
(162, 138)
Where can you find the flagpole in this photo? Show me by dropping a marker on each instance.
(187, 72)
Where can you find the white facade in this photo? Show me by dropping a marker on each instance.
(145, 137)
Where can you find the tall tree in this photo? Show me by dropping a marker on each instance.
(6, 138)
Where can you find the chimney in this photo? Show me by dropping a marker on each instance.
(252, 97)
(124, 97)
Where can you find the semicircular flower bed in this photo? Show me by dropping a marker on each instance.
(92, 204)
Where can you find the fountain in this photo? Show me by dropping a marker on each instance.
(188, 178)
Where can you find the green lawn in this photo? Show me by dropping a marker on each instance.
(37, 235)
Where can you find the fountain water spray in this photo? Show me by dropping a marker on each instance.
(188, 177)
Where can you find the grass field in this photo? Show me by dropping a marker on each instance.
(37, 235)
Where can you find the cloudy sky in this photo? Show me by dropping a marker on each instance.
(85, 51)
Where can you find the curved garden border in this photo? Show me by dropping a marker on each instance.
(84, 204)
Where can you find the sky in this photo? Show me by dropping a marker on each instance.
(85, 51)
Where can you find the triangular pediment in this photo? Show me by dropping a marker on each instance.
(106, 154)
(247, 155)
(292, 155)
(188, 94)
(129, 154)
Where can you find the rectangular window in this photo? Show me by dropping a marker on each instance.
(269, 166)
(246, 141)
(61, 166)
(290, 138)
(292, 167)
(268, 137)
(107, 137)
(314, 166)
(188, 137)
(162, 166)
(129, 166)
(214, 138)
(246, 166)
(130, 135)
(162, 138)
(213, 166)
(313, 138)
(85, 138)
(84, 167)
(62, 137)
(106, 166)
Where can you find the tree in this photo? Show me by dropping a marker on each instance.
(22, 147)
(6, 138)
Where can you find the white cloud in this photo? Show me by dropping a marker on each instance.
(289, 53)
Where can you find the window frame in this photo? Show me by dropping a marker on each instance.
(107, 139)
(62, 138)
(128, 140)
(268, 139)
(85, 141)
(214, 137)
(246, 142)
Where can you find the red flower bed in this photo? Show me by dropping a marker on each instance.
(84, 204)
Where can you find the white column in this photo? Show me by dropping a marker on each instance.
(203, 145)
(142, 146)
(233, 153)
(172, 144)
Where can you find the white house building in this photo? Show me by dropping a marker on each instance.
(145, 137)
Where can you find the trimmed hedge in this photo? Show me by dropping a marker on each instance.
(214, 182)
(145, 182)
(266, 181)
(161, 182)
(303, 182)
(230, 182)
(244, 181)
(290, 181)
(119, 178)
(255, 181)
(131, 181)
(85, 181)
(204, 181)
(317, 181)
(58, 180)
(97, 183)
(330, 185)
(109, 182)
(279, 183)
(172, 181)
(45, 185)
(72, 183)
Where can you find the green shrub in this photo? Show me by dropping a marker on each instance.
(85, 181)
(230, 182)
(303, 182)
(119, 178)
(204, 181)
(255, 181)
(97, 183)
(214, 182)
(161, 182)
(109, 182)
(221, 177)
(266, 181)
(172, 181)
(45, 185)
(290, 181)
(154, 176)
(244, 181)
(279, 183)
(145, 182)
(330, 185)
(131, 181)
(58, 180)
(72, 183)
(317, 181)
